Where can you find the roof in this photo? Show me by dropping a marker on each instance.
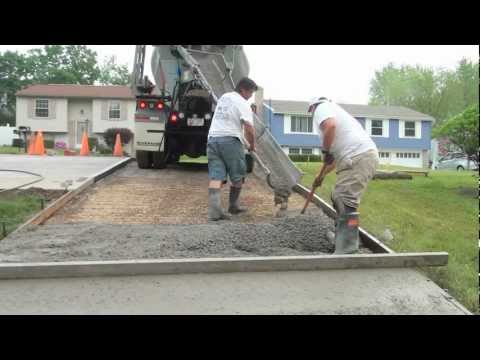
(391, 112)
(78, 91)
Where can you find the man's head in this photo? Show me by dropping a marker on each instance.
(314, 103)
(246, 87)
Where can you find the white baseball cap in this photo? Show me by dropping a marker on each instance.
(315, 101)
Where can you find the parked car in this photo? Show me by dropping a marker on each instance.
(456, 161)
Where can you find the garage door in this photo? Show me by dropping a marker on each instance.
(410, 159)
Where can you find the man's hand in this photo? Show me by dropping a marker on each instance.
(318, 181)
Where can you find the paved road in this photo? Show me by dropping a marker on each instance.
(360, 291)
(55, 169)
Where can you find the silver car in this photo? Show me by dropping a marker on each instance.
(456, 161)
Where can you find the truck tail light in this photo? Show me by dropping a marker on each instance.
(160, 105)
(142, 104)
(173, 118)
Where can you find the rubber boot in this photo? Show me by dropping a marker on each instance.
(215, 211)
(235, 207)
(346, 234)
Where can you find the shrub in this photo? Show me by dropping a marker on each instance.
(102, 149)
(110, 134)
(305, 158)
(49, 144)
(92, 143)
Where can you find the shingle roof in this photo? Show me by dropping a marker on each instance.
(391, 112)
(78, 91)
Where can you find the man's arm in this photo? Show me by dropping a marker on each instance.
(249, 132)
(328, 128)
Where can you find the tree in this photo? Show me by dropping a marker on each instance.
(63, 64)
(462, 130)
(113, 74)
(439, 93)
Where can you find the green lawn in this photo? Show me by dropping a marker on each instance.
(16, 209)
(11, 150)
(434, 213)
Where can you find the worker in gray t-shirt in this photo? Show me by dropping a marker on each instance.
(349, 149)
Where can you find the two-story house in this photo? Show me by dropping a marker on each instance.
(64, 112)
(402, 135)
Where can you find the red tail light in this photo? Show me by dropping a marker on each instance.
(160, 105)
(142, 104)
(173, 118)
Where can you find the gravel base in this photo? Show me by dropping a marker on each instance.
(292, 234)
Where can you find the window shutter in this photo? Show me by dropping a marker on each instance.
(31, 108)
(386, 130)
(368, 126)
(418, 129)
(286, 124)
(104, 114)
(123, 110)
(401, 129)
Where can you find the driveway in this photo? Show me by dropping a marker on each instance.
(58, 171)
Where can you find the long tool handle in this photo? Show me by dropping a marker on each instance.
(260, 162)
(312, 192)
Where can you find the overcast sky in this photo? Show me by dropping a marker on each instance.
(299, 72)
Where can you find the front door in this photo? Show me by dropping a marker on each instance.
(81, 127)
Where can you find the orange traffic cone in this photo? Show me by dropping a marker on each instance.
(31, 145)
(39, 145)
(117, 151)
(84, 151)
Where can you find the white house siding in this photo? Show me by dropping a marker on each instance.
(56, 122)
(100, 116)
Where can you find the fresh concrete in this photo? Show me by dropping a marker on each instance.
(59, 172)
(223, 265)
(360, 291)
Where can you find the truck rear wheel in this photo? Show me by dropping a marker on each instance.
(159, 160)
(144, 159)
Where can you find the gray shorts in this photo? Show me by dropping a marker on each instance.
(353, 175)
(226, 156)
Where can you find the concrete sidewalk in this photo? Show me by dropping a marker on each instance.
(360, 291)
(57, 170)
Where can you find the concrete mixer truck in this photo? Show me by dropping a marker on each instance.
(173, 115)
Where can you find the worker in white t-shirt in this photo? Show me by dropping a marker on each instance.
(349, 149)
(232, 124)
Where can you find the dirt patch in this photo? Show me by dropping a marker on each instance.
(471, 192)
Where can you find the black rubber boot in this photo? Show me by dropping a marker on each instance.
(346, 234)
(215, 211)
(235, 207)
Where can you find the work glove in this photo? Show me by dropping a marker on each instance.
(318, 181)
(328, 157)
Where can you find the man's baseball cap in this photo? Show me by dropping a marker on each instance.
(315, 101)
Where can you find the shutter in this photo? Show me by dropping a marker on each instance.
(123, 110)
(286, 124)
(31, 108)
(104, 115)
(401, 129)
(52, 107)
(368, 126)
(386, 128)
(418, 129)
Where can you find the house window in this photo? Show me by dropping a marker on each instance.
(41, 108)
(294, 151)
(114, 111)
(384, 155)
(303, 124)
(410, 128)
(307, 151)
(407, 155)
(377, 127)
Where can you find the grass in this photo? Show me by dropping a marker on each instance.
(11, 150)
(424, 214)
(15, 210)
(199, 160)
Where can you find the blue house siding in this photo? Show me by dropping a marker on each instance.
(395, 142)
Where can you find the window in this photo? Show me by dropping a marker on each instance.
(410, 128)
(114, 111)
(384, 155)
(294, 151)
(41, 108)
(377, 127)
(302, 124)
(307, 151)
(406, 155)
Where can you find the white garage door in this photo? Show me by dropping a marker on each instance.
(406, 158)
